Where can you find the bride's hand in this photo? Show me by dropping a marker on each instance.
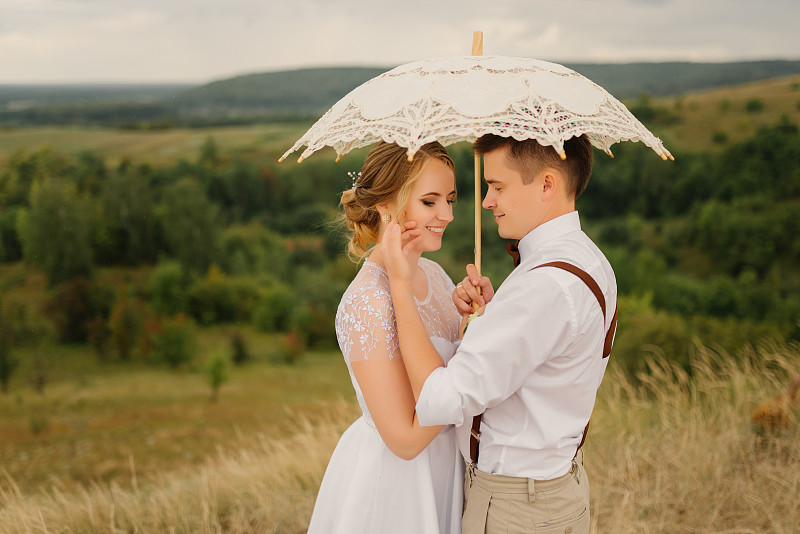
(396, 247)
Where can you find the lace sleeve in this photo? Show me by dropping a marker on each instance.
(365, 325)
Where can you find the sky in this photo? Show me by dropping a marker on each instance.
(198, 41)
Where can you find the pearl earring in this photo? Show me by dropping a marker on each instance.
(386, 218)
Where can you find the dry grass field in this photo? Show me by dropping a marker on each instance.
(716, 118)
(667, 453)
(155, 147)
(98, 423)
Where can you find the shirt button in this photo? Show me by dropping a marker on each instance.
(568, 530)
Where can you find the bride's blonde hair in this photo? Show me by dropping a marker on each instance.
(387, 175)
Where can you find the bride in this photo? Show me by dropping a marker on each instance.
(387, 473)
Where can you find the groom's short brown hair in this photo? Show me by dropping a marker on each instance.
(530, 157)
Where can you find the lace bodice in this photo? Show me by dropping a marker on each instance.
(365, 324)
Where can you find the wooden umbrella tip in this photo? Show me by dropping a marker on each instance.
(338, 158)
(562, 154)
(300, 159)
(477, 43)
(671, 157)
(281, 160)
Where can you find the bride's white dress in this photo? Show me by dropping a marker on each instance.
(366, 488)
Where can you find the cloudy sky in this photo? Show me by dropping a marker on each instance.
(204, 40)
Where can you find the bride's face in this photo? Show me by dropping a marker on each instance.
(430, 203)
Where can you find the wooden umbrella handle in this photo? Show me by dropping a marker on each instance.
(477, 50)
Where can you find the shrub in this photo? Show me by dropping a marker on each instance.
(643, 332)
(218, 299)
(169, 288)
(10, 246)
(293, 347)
(23, 324)
(8, 363)
(315, 308)
(754, 105)
(252, 249)
(719, 138)
(174, 341)
(127, 325)
(240, 354)
(217, 374)
(274, 311)
(75, 305)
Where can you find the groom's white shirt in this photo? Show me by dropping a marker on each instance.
(533, 362)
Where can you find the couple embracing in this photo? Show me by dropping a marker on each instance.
(480, 434)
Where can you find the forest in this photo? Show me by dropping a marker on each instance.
(706, 249)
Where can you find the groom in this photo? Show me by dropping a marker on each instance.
(532, 363)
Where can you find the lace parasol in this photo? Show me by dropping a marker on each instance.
(461, 98)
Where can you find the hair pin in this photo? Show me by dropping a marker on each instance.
(355, 176)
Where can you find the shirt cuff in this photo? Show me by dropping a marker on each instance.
(439, 403)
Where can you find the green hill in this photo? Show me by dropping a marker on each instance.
(304, 92)
(312, 91)
(631, 80)
(307, 93)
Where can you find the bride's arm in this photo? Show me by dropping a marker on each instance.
(367, 334)
(421, 356)
(387, 392)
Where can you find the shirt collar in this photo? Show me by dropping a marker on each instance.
(562, 225)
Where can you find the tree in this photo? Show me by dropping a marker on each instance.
(55, 231)
(169, 288)
(127, 324)
(75, 306)
(190, 224)
(209, 154)
(8, 363)
(127, 231)
(217, 374)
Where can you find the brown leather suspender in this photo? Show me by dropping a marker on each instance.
(475, 434)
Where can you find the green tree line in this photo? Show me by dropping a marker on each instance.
(705, 248)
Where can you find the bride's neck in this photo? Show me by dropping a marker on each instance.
(377, 257)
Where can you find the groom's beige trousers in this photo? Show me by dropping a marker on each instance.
(511, 505)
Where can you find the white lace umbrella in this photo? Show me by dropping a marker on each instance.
(462, 98)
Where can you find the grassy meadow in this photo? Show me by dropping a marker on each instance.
(155, 147)
(714, 118)
(96, 424)
(667, 452)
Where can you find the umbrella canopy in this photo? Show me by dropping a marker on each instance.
(464, 97)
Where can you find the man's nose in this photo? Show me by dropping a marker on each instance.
(488, 201)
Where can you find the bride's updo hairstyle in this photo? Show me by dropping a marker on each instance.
(387, 175)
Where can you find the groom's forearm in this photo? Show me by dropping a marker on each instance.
(419, 355)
